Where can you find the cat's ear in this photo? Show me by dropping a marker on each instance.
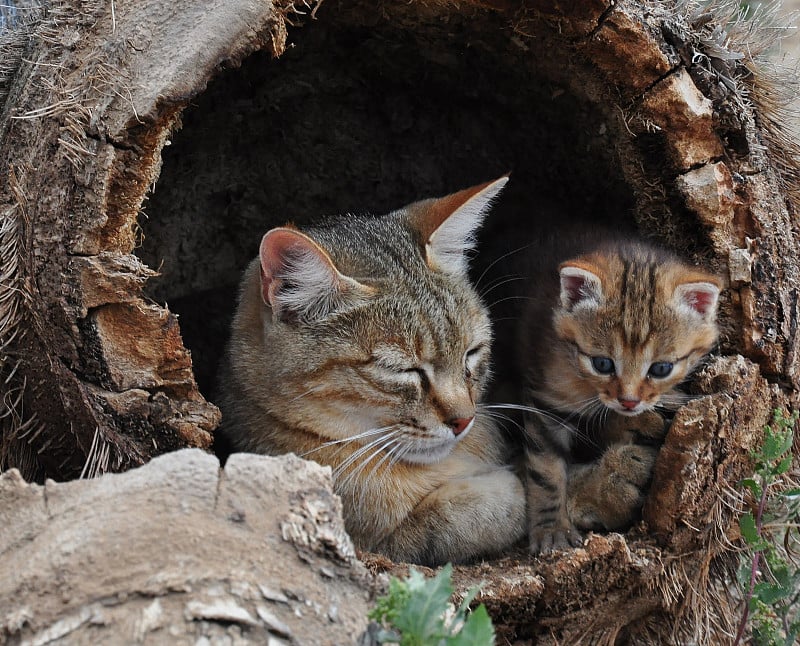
(299, 279)
(698, 299)
(579, 286)
(448, 225)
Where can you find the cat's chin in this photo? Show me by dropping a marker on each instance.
(625, 412)
(430, 454)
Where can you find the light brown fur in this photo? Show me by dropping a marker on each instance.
(386, 334)
(597, 338)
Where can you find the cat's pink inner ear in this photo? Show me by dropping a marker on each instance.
(286, 252)
(578, 285)
(699, 297)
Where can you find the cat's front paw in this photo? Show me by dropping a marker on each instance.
(609, 495)
(544, 540)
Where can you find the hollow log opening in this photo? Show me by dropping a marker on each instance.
(356, 118)
(627, 114)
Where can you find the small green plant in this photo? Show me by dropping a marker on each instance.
(417, 612)
(769, 574)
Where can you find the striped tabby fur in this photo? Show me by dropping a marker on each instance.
(606, 340)
(361, 344)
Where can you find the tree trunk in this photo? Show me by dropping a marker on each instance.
(167, 137)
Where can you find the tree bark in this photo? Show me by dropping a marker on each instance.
(638, 114)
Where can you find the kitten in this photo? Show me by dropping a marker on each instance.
(361, 344)
(606, 339)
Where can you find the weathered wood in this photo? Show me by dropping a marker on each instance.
(180, 550)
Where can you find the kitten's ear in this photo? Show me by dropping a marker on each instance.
(299, 279)
(698, 299)
(448, 224)
(579, 286)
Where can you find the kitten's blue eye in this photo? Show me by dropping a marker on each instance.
(660, 369)
(603, 365)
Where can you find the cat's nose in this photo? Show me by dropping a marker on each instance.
(459, 424)
(630, 404)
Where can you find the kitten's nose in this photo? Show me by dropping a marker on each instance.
(459, 424)
(630, 404)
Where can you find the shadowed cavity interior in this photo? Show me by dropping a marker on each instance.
(355, 119)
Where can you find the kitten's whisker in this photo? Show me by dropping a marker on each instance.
(671, 402)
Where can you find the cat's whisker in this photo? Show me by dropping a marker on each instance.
(502, 419)
(363, 464)
(499, 259)
(362, 435)
(384, 439)
(494, 415)
(531, 409)
(497, 283)
(366, 448)
(306, 393)
(387, 454)
(352, 438)
(509, 298)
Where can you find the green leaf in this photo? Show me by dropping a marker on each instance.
(791, 494)
(771, 593)
(463, 608)
(477, 631)
(753, 486)
(783, 465)
(775, 445)
(421, 620)
(748, 526)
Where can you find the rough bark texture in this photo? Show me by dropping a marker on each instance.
(653, 117)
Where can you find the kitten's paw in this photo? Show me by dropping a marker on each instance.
(544, 540)
(611, 495)
(650, 426)
(647, 428)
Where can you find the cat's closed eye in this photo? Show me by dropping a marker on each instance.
(418, 374)
(472, 359)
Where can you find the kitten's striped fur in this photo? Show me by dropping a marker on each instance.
(361, 344)
(608, 336)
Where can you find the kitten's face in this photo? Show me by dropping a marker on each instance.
(636, 326)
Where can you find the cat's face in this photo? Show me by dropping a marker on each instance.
(418, 379)
(636, 324)
(391, 343)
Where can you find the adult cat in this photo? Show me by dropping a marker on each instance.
(360, 343)
(606, 337)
